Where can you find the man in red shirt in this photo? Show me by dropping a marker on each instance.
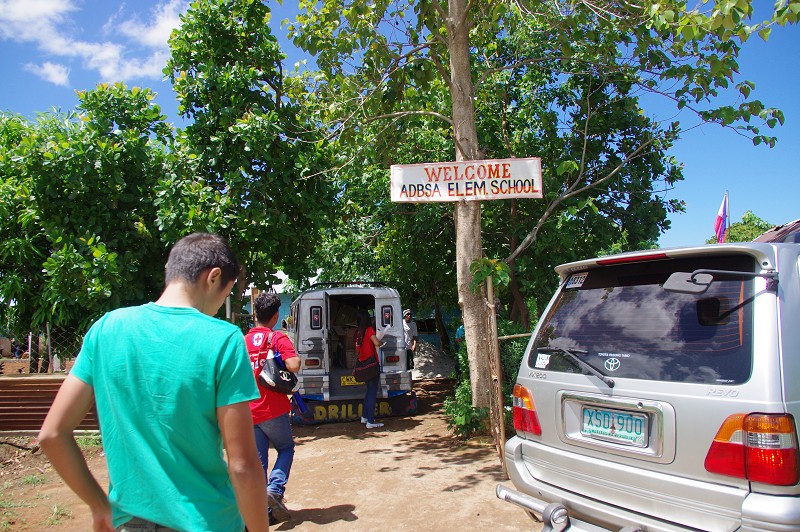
(271, 410)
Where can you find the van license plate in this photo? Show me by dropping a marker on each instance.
(349, 380)
(615, 426)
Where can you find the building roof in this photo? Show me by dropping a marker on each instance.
(788, 232)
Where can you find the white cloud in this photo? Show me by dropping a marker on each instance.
(131, 49)
(156, 32)
(56, 74)
(32, 20)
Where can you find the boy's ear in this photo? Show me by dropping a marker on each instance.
(213, 277)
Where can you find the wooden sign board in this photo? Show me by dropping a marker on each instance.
(467, 180)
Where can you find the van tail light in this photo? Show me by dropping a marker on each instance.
(525, 418)
(312, 362)
(392, 359)
(758, 447)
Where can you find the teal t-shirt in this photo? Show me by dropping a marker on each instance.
(159, 374)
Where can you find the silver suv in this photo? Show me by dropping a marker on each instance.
(660, 391)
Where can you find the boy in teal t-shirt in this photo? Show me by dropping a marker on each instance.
(172, 386)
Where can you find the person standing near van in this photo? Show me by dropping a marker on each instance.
(271, 410)
(172, 385)
(460, 350)
(367, 345)
(410, 337)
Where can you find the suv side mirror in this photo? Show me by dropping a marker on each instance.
(688, 283)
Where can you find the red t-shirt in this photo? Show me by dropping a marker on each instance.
(367, 348)
(271, 404)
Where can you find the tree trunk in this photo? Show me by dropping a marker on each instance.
(444, 338)
(33, 355)
(496, 372)
(519, 309)
(467, 213)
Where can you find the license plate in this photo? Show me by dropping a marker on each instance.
(615, 426)
(349, 380)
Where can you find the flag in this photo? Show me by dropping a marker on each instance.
(721, 223)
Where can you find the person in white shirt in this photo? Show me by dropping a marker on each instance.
(410, 336)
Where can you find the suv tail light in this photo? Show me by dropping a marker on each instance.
(525, 418)
(758, 447)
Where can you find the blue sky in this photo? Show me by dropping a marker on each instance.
(50, 48)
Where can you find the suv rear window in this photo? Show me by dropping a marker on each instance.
(621, 321)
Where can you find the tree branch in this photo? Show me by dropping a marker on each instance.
(400, 114)
(518, 64)
(439, 9)
(442, 70)
(465, 19)
(531, 237)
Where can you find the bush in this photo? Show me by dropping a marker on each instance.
(464, 419)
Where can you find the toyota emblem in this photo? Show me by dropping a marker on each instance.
(612, 364)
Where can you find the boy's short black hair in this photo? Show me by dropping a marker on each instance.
(198, 252)
(266, 306)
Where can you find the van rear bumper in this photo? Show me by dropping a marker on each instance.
(334, 411)
(554, 516)
(762, 512)
(572, 509)
(755, 512)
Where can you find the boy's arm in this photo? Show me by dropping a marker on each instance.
(288, 354)
(72, 403)
(244, 466)
(293, 364)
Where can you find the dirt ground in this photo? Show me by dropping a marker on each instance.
(410, 475)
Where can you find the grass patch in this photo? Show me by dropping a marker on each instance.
(33, 480)
(59, 513)
(8, 517)
(89, 441)
(6, 504)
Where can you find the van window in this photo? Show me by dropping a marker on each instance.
(620, 320)
(291, 321)
(316, 317)
(387, 316)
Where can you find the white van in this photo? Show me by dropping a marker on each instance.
(321, 324)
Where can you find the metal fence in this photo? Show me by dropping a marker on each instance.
(46, 351)
(53, 350)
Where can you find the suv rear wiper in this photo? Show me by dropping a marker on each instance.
(582, 363)
(698, 281)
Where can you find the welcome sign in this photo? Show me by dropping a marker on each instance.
(467, 180)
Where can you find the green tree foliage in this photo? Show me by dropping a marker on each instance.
(748, 229)
(77, 210)
(407, 246)
(252, 162)
(502, 77)
(604, 159)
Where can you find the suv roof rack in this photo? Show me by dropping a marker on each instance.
(347, 283)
